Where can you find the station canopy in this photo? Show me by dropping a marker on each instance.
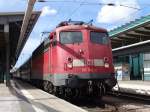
(14, 21)
(133, 32)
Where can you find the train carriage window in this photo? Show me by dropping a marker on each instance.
(70, 37)
(99, 37)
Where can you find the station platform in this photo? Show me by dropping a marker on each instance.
(22, 97)
(133, 87)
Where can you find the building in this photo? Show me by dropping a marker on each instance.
(131, 49)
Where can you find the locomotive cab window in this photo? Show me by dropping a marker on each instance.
(99, 37)
(70, 37)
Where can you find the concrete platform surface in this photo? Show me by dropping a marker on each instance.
(135, 87)
(9, 101)
(22, 97)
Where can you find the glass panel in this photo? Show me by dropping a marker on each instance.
(70, 37)
(99, 37)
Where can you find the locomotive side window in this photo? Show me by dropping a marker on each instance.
(54, 41)
(99, 37)
(70, 37)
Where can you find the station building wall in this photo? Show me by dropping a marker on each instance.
(146, 66)
(133, 67)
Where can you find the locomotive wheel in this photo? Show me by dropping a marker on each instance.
(101, 90)
(67, 93)
(76, 93)
(50, 88)
(56, 91)
(45, 84)
(71, 93)
(104, 89)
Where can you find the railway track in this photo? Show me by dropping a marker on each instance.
(114, 103)
(129, 95)
(95, 105)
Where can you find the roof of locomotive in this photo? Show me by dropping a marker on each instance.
(77, 25)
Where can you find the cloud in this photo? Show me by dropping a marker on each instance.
(48, 11)
(113, 14)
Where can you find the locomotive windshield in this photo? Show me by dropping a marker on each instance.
(99, 37)
(70, 37)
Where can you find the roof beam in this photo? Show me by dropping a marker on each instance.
(116, 38)
(127, 41)
(143, 32)
(146, 27)
(126, 38)
(124, 35)
(13, 18)
(25, 24)
(130, 37)
(133, 48)
(133, 33)
(140, 37)
(143, 29)
(116, 41)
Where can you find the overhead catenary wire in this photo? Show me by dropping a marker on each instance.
(76, 9)
(81, 3)
(88, 3)
(85, 3)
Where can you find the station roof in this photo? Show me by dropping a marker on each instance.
(14, 20)
(131, 33)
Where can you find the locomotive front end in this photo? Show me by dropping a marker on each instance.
(85, 57)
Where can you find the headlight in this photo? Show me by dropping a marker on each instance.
(69, 65)
(106, 65)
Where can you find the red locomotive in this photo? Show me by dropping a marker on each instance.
(75, 59)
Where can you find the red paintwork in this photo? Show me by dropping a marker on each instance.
(54, 59)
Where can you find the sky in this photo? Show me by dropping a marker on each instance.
(55, 11)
